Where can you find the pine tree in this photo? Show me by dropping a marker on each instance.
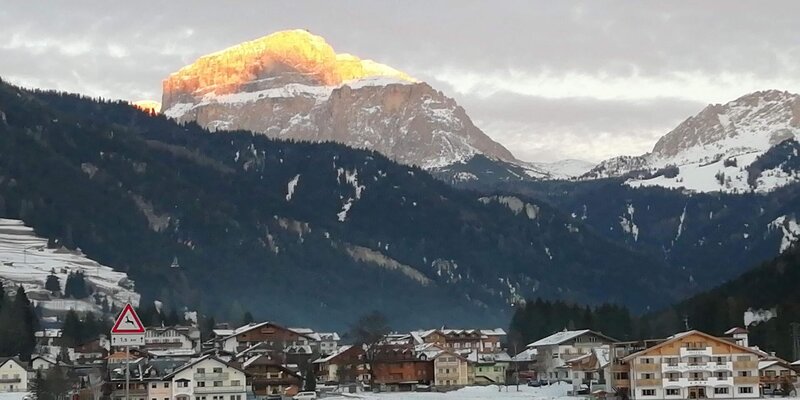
(76, 286)
(310, 380)
(38, 387)
(71, 331)
(247, 318)
(26, 317)
(53, 284)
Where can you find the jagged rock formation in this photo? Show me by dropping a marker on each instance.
(712, 150)
(293, 85)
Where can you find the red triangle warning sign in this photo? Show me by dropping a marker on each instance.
(128, 322)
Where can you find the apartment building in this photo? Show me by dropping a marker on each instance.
(693, 365)
(208, 378)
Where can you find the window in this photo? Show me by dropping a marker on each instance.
(744, 373)
(218, 370)
(696, 376)
(217, 383)
(721, 390)
(745, 390)
(673, 376)
(673, 392)
(646, 361)
(201, 384)
(719, 360)
(620, 375)
(721, 375)
(183, 384)
(201, 370)
(235, 383)
(648, 375)
(648, 392)
(153, 385)
(742, 358)
(166, 385)
(672, 361)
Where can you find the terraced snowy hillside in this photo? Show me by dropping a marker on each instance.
(26, 260)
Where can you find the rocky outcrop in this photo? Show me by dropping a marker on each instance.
(712, 150)
(293, 85)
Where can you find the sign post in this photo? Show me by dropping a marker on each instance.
(127, 331)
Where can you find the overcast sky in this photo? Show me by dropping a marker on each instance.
(548, 79)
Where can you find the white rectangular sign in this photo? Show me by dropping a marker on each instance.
(127, 340)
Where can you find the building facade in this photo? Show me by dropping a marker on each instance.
(208, 378)
(694, 365)
(13, 375)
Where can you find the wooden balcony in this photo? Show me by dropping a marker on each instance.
(646, 382)
(647, 367)
(745, 380)
(623, 383)
(739, 365)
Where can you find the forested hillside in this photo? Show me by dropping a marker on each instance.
(766, 299)
(297, 232)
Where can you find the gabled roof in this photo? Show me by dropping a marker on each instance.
(681, 335)
(198, 360)
(338, 351)
(564, 336)
(526, 355)
(251, 326)
(796, 363)
(5, 360)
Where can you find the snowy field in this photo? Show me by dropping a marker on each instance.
(25, 260)
(14, 396)
(477, 393)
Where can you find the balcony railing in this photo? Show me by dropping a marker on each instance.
(648, 382)
(218, 389)
(213, 376)
(745, 380)
(10, 380)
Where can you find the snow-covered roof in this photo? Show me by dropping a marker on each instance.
(735, 330)
(558, 338)
(333, 336)
(526, 355)
(173, 352)
(338, 351)
(796, 363)
(603, 355)
(766, 363)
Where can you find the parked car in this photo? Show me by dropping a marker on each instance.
(534, 383)
(305, 396)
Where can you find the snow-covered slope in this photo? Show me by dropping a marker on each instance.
(26, 260)
(713, 149)
(562, 169)
(293, 85)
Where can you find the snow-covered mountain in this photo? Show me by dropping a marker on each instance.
(293, 85)
(25, 259)
(561, 169)
(714, 150)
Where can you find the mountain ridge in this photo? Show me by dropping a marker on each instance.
(293, 85)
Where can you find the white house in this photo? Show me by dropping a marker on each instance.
(13, 375)
(42, 363)
(208, 378)
(554, 351)
(173, 338)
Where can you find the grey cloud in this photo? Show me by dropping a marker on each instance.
(41, 45)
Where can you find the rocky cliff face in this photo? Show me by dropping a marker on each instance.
(293, 85)
(713, 149)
